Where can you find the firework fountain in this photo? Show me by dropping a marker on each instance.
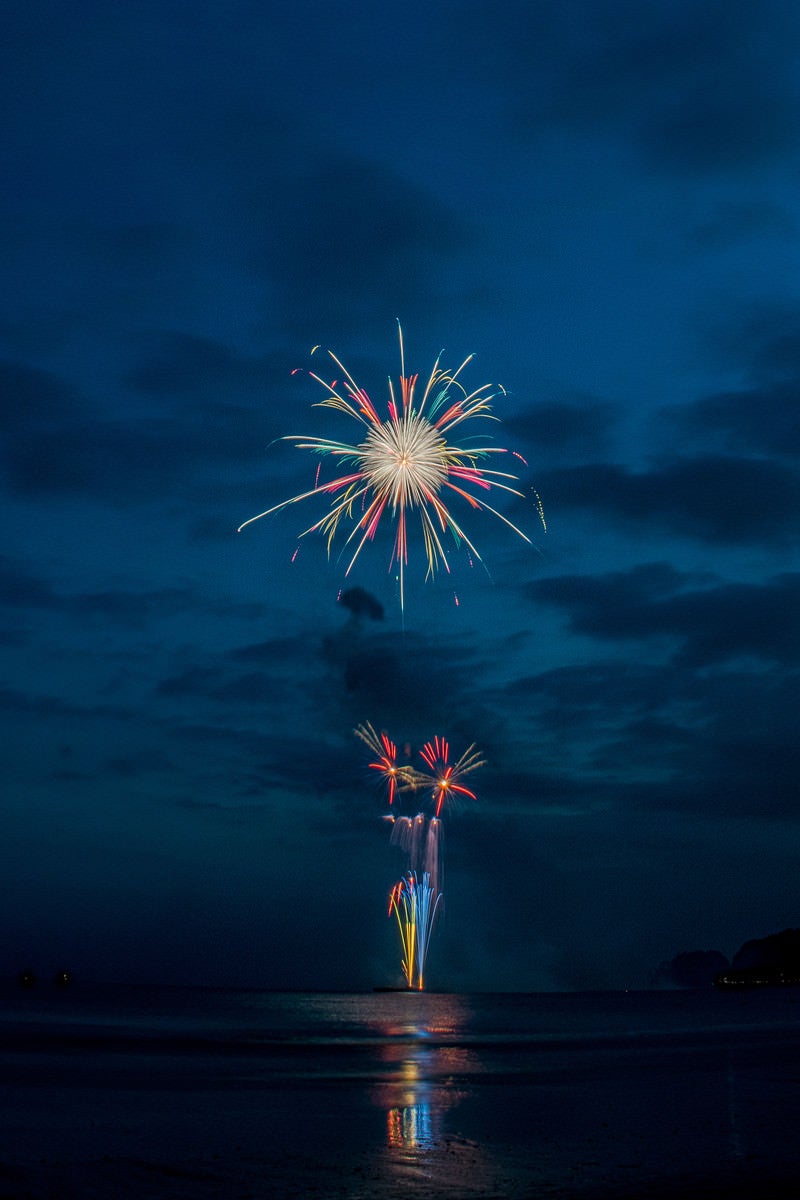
(417, 897)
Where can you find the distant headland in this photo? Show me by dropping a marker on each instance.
(771, 961)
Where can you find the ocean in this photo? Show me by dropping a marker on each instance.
(396, 1093)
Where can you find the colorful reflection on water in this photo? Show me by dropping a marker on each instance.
(422, 1062)
(411, 1121)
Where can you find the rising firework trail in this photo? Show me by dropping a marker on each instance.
(405, 462)
(416, 898)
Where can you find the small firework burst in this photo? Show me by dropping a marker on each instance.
(395, 776)
(445, 777)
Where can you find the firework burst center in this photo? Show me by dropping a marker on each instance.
(405, 459)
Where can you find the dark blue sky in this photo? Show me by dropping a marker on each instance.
(597, 198)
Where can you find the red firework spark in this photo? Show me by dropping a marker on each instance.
(444, 775)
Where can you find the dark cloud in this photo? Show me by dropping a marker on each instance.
(17, 702)
(736, 756)
(134, 609)
(762, 420)
(576, 427)
(758, 771)
(742, 120)
(627, 735)
(262, 764)
(250, 688)
(580, 698)
(710, 498)
(761, 342)
(21, 588)
(361, 604)
(49, 328)
(187, 364)
(143, 762)
(761, 338)
(134, 249)
(729, 222)
(356, 244)
(194, 681)
(710, 624)
(532, 790)
(268, 653)
(53, 443)
(278, 675)
(414, 686)
(137, 609)
(680, 82)
(32, 398)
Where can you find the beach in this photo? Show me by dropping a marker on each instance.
(187, 1093)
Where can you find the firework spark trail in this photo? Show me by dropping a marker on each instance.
(404, 464)
(402, 906)
(432, 861)
(427, 906)
(409, 834)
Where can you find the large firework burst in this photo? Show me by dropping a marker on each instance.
(405, 462)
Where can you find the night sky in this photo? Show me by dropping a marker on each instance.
(597, 198)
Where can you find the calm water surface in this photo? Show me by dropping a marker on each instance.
(568, 1091)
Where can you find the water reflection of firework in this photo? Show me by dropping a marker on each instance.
(405, 462)
(412, 1122)
(416, 899)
